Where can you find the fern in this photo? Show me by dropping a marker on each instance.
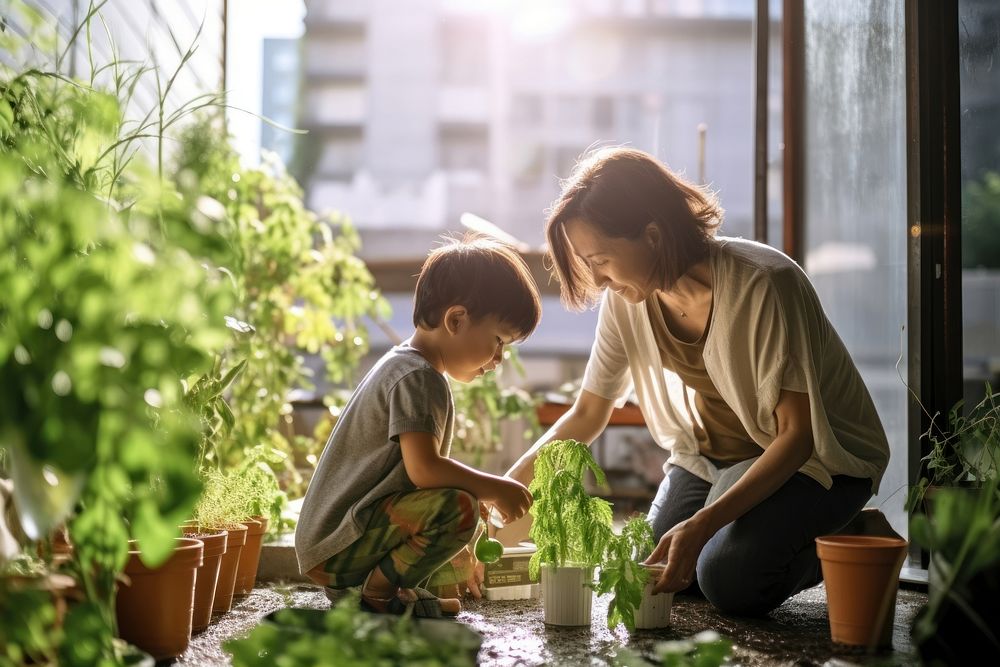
(622, 572)
(568, 525)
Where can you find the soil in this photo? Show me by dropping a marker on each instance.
(797, 633)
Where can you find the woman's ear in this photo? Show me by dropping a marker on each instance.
(652, 233)
(455, 319)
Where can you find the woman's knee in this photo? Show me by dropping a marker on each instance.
(736, 585)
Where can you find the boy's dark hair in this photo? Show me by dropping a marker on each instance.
(620, 191)
(483, 274)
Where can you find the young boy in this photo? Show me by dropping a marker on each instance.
(386, 507)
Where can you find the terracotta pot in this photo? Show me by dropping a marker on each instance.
(862, 575)
(567, 594)
(654, 610)
(207, 578)
(154, 607)
(227, 569)
(246, 574)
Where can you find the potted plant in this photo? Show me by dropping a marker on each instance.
(222, 506)
(630, 581)
(961, 619)
(111, 295)
(571, 531)
(154, 604)
(263, 501)
(964, 454)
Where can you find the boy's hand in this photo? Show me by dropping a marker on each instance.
(511, 498)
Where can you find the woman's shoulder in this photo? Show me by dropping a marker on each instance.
(745, 262)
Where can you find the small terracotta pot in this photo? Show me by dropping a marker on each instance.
(246, 574)
(154, 607)
(227, 569)
(862, 575)
(654, 610)
(207, 578)
(567, 595)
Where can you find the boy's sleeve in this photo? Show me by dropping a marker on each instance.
(418, 403)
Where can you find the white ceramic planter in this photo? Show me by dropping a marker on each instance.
(654, 611)
(567, 594)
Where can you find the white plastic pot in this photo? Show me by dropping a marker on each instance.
(567, 594)
(654, 611)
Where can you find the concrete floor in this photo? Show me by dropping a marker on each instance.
(796, 634)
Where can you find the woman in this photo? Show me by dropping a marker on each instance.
(773, 436)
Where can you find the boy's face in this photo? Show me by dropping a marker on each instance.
(475, 346)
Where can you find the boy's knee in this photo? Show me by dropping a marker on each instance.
(457, 513)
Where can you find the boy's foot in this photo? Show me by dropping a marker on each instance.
(380, 595)
(425, 605)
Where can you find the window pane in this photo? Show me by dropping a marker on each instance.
(855, 189)
(979, 49)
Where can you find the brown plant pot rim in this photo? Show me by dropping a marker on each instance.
(860, 548)
(237, 535)
(255, 525)
(187, 553)
(215, 543)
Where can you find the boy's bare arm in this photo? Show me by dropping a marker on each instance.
(427, 469)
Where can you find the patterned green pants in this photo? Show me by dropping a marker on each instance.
(413, 538)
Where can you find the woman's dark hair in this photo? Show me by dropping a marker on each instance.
(620, 191)
(483, 274)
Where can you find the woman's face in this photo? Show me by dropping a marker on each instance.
(625, 266)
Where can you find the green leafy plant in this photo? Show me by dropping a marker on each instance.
(301, 287)
(963, 536)
(705, 649)
(111, 296)
(622, 572)
(483, 405)
(568, 525)
(344, 635)
(965, 453)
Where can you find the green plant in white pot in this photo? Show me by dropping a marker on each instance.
(571, 531)
(630, 581)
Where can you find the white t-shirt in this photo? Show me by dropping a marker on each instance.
(767, 332)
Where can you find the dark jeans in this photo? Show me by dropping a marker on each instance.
(755, 563)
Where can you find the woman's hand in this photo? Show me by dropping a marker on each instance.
(680, 546)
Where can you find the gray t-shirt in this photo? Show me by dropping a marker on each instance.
(362, 461)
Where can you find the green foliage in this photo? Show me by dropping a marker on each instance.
(238, 494)
(206, 397)
(568, 526)
(301, 289)
(981, 222)
(622, 572)
(705, 649)
(28, 631)
(967, 452)
(111, 297)
(481, 406)
(344, 635)
(963, 535)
